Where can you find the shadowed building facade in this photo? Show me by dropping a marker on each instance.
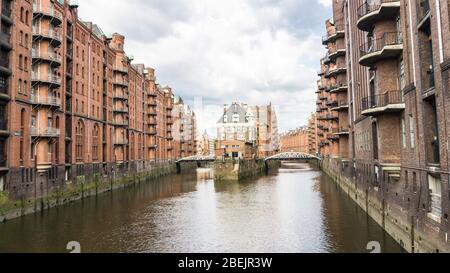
(389, 111)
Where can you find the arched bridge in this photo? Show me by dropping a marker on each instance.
(292, 156)
(197, 158)
(200, 160)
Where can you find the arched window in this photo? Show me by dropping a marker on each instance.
(132, 147)
(95, 142)
(79, 148)
(20, 62)
(27, 17)
(25, 87)
(25, 64)
(19, 86)
(22, 10)
(26, 41)
(22, 118)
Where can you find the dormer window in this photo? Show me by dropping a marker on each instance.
(225, 119)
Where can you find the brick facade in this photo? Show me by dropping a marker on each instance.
(396, 109)
(72, 103)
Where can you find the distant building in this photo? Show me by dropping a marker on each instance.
(295, 141)
(250, 124)
(235, 149)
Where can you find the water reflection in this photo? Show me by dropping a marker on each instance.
(294, 210)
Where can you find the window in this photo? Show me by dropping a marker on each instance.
(95, 142)
(19, 86)
(412, 133)
(402, 75)
(79, 140)
(435, 198)
(403, 133)
(20, 62)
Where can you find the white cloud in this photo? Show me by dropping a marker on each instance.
(225, 51)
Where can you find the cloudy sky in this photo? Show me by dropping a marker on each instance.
(215, 52)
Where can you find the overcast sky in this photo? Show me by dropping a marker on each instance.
(215, 52)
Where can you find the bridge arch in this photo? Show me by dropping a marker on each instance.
(292, 156)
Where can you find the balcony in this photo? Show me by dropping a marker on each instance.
(152, 131)
(45, 101)
(48, 79)
(339, 87)
(120, 96)
(389, 102)
(333, 72)
(390, 45)
(120, 109)
(120, 82)
(152, 112)
(54, 37)
(152, 121)
(336, 53)
(169, 121)
(45, 132)
(341, 105)
(120, 123)
(331, 103)
(47, 12)
(51, 57)
(337, 32)
(323, 97)
(120, 142)
(373, 11)
(152, 102)
(332, 117)
(123, 70)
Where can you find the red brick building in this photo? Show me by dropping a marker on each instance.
(72, 103)
(383, 119)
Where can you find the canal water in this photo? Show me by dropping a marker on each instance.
(294, 210)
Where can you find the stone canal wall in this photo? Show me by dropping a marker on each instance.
(81, 187)
(413, 233)
(236, 170)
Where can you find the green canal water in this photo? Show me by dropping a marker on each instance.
(294, 210)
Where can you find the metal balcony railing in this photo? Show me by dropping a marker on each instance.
(371, 6)
(47, 33)
(120, 69)
(118, 95)
(120, 82)
(49, 100)
(48, 11)
(51, 78)
(52, 56)
(44, 132)
(387, 39)
(382, 100)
